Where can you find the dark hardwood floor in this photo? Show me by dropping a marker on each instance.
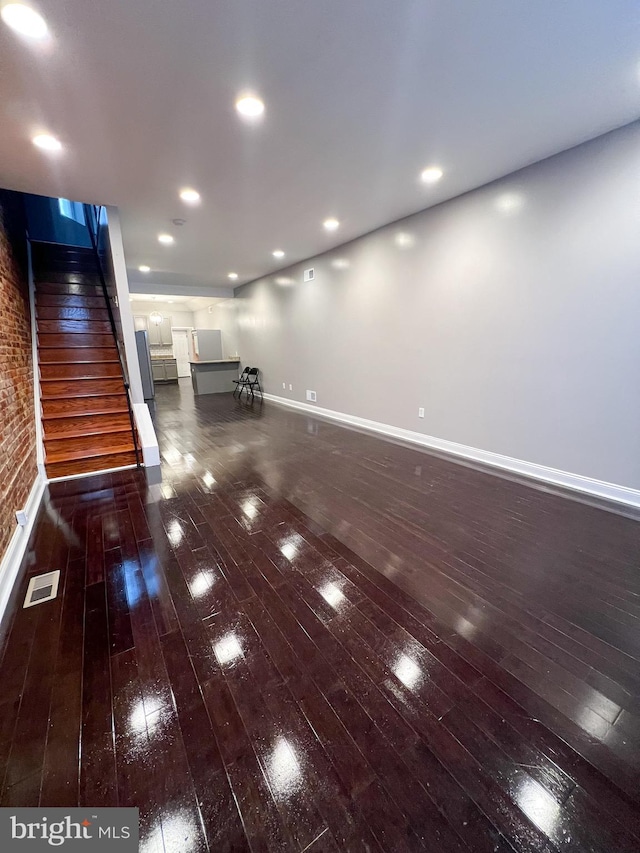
(310, 639)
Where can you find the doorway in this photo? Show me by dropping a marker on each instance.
(181, 350)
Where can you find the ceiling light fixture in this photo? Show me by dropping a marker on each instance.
(24, 20)
(156, 318)
(47, 142)
(431, 175)
(144, 268)
(190, 196)
(165, 239)
(278, 253)
(250, 106)
(233, 276)
(331, 224)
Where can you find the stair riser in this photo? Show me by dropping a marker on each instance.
(84, 466)
(64, 389)
(60, 288)
(74, 327)
(49, 312)
(78, 355)
(57, 277)
(58, 300)
(80, 371)
(84, 406)
(74, 340)
(63, 428)
(62, 449)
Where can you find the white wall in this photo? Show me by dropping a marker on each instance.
(511, 314)
(223, 316)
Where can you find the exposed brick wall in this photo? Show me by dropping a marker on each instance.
(17, 424)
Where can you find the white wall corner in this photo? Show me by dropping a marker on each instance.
(12, 557)
(126, 315)
(146, 434)
(565, 479)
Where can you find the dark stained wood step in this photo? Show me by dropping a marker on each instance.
(88, 370)
(71, 300)
(85, 425)
(92, 464)
(82, 447)
(67, 288)
(73, 327)
(52, 312)
(53, 276)
(47, 340)
(78, 355)
(70, 407)
(63, 389)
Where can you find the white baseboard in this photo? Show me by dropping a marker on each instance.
(12, 557)
(575, 482)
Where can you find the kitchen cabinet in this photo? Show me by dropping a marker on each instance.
(164, 369)
(160, 334)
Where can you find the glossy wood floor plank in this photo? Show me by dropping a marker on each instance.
(305, 638)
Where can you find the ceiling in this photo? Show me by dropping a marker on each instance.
(177, 302)
(360, 97)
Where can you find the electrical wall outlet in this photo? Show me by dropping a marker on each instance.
(290, 387)
(311, 396)
(21, 518)
(420, 413)
(284, 386)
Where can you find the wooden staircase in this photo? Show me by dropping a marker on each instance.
(85, 412)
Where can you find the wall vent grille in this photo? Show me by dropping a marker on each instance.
(309, 274)
(42, 588)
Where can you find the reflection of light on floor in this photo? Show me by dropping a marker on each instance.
(465, 628)
(208, 479)
(538, 805)
(407, 671)
(227, 649)
(201, 583)
(288, 550)
(180, 832)
(250, 508)
(151, 842)
(137, 720)
(175, 532)
(284, 768)
(332, 594)
(132, 582)
(189, 458)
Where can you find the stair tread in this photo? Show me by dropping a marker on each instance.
(86, 431)
(121, 410)
(86, 453)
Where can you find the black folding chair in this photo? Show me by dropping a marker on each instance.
(252, 382)
(241, 382)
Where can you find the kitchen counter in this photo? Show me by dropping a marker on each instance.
(216, 361)
(214, 376)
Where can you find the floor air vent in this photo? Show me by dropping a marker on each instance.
(42, 588)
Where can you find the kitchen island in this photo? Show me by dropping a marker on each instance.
(214, 376)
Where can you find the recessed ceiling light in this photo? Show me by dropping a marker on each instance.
(190, 196)
(144, 268)
(233, 276)
(250, 106)
(331, 224)
(170, 301)
(431, 175)
(284, 280)
(165, 239)
(47, 142)
(24, 20)
(278, 253)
